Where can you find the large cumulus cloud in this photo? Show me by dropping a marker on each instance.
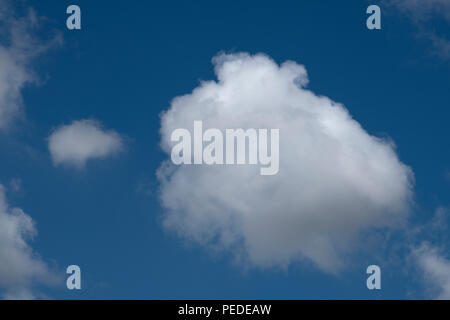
(335, 180)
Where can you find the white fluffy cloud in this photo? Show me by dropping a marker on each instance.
(82, 140)
(435, 269)
(335, 180)
(20, 267)
(18, 47)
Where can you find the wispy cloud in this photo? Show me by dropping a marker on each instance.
(427, 244)
(422, 13)
(19, 46)
(16, 184)
(20, 266)
(435, 270)
(421, 10)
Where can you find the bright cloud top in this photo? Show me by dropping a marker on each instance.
(82, 140)
(334, 181)
(19, 265)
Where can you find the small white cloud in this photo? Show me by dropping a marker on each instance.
(435, 268)
(334, 182)
(82, 140)
(20, 267)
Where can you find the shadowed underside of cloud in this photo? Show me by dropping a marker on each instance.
(20, 267)
(335, 180)
(82, 140)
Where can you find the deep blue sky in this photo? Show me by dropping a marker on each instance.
(123, 68)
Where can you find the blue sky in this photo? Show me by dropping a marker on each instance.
(131, 59)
